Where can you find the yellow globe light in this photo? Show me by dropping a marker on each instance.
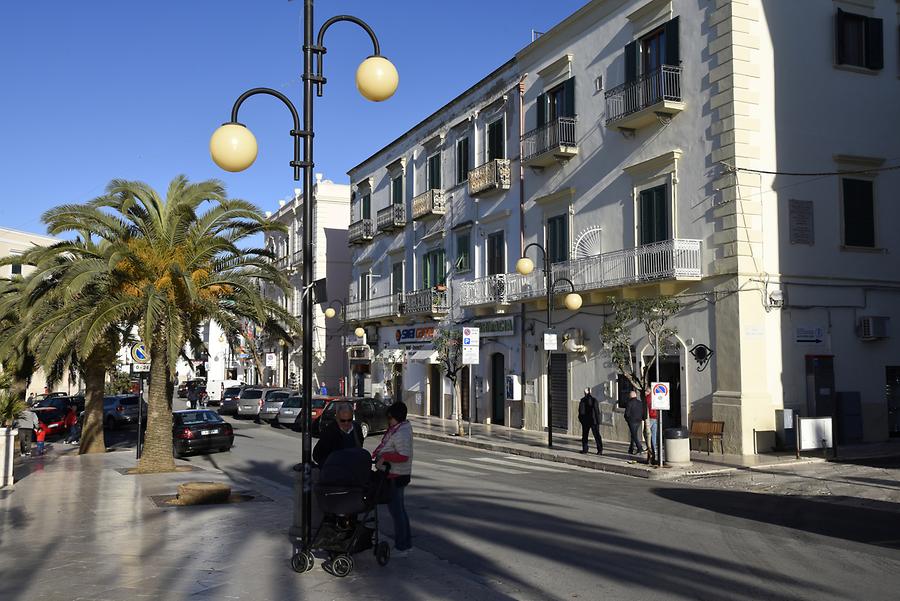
(330, 312)
(359, 332)
(233, 147)
(377, 78)
(573, 301)
(524, 265)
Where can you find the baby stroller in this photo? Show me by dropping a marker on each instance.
(348, 492)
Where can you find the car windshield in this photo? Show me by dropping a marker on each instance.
(318, 403)
(49, 416)
(189, 418)
(278, 396)
(252, 394)
(233, 391)
(293, 401)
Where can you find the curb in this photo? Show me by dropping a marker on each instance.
(535, 453)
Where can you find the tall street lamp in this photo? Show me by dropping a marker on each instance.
(572, 301)
(233, 148)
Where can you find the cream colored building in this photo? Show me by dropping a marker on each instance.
(738, 154)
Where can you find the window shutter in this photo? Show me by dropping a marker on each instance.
(569, 96)
(839, 54)
(672, 57)
(874, 44)
(630, 62)
(541, 109)
(367, 207)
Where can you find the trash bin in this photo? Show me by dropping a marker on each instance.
(678, 446)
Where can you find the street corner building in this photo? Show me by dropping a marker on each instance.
(733, 154)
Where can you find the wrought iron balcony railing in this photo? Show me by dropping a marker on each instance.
(493, 175)
(361, 231)
(487, 290)
(429, 204)
(391, 217)
(377, 307)
(660, 86)
(431, 301)
(550, 142)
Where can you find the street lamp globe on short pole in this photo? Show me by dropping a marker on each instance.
(233, 147)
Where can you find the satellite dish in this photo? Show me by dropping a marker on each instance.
(588, 243)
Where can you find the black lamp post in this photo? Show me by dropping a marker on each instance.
(573, 302)
(233, 147)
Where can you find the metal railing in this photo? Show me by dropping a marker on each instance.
(485, 290)
(297, 257)
(549, 136)
(429, 203)
(663, 83)
(391, 217)
(493, 175)
(373, 308)
(427, 300)
(361, 230)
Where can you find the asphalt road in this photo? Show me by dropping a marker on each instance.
(539, 530)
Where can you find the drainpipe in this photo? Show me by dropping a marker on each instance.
(521, 90)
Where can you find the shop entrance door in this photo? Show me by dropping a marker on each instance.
(498, 388)
(434, 390)
(820, 385)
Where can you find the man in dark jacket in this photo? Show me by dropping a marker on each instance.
(589, 416)
(634, 416)
(343, 433)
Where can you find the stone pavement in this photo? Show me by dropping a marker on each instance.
(76, 528)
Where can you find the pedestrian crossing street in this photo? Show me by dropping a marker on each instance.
(514, 465)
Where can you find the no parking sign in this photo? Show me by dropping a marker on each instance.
(659, 397)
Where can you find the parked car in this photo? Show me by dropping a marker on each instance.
(122, 410)
(196, 430)
(230, 397)
(62, 403)
(290, 412)
(272, 401)
(252, 400)
(370, 413)
(51, 420)
(183, 388)
(215, 390)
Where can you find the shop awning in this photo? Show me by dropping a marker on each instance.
(422, 356)
(390, 355)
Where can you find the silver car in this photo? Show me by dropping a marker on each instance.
(250, 402)
(273, 398)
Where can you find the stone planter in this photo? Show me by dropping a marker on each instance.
(7, 451)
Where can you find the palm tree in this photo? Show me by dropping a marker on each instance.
(167, 264)
(16, 356)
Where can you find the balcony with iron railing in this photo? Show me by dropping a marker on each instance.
(493, 176)
(427, 301)
(378, 307)
(361, 231)
(669, 260)
(391, 217)
(550, 143)
(429, 204)
(297, 258)
(654, 95)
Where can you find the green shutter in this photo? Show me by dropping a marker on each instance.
(874, 44)
(569, 98)
(367, 207)
(672, 57)
(397, 190)
(541, 109)
(630, 62)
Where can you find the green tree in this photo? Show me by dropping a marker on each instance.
(166, 264)
(16, 356)
(651, 314)
(448, 344)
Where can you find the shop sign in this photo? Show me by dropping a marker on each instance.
(414, 334)
(500, 326)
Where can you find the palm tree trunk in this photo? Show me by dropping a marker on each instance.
(92, 440)
(157, 454)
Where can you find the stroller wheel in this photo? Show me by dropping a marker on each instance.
(383, 553)
(302, 562)
(341, 565)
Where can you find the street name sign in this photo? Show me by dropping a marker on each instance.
(659, 397)
(471, 339)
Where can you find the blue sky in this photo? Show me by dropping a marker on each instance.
(101, 89)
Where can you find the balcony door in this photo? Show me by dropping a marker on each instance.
(366, 207)
(496, 141)
(397, 278)
(496, 253)
(653, 215)
(434, 268)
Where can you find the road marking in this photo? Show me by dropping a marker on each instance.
(490, 468)
(446, 468)
(538, 468)
(562, 466)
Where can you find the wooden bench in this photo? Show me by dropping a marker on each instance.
(708, 431)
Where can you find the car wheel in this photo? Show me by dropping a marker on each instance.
(364, 428)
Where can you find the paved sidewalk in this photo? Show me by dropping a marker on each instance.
(76, 528)
(567, 449)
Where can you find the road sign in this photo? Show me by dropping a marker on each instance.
(659, 397)
(550, 341)
(139, 353)
(271, 360)
(809, 335)
(471, 341)
(140, 368)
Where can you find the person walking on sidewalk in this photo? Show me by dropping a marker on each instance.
(652, 422)
(27, 423)
(589, 416)
(634, 415)
(396, 448)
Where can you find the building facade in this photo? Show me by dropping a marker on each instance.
(331, 217)
(702, 151)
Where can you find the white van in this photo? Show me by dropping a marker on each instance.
(214, 389)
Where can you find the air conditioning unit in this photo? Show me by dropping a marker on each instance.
(872, 327)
